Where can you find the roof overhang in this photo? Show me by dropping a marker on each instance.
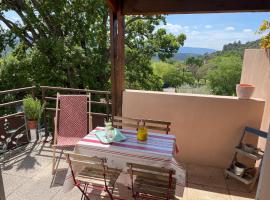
(152, 7)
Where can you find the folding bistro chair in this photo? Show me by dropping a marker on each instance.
(71, 122)
(154, 125)
(151, 182)
(95, 174)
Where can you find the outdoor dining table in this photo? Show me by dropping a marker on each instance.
(159, 151)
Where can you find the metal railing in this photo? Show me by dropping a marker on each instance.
(15, 102)
(101, 100)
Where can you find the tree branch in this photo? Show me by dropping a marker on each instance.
(22, 34)
(47, 19)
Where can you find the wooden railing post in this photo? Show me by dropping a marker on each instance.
(43, 92)
(107, 106)
(33, 91)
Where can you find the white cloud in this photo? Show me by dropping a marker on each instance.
(247, 30)
(198, 36)
(208, 26)
(172, 28)
(215, 39)
(195, 32)
(230, 28)
(175, 28)
(186, 27)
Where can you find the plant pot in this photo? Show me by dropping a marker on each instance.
(32, 124)
(239, 169)
(244, 91)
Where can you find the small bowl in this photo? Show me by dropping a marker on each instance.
(249, 148)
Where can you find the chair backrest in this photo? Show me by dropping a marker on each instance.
(136, 169)
(154, 125)
(126, 122)
(87, 161)
(84, 162)
(72, 115)
(157, 125)
(151, 173)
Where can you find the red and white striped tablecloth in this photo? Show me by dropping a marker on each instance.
(157, 151)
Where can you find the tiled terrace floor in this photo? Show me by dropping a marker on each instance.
(27, 176)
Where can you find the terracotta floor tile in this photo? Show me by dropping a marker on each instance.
(207, 176)
(198, 192)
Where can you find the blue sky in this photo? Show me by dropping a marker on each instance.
(215, 30)
(210, 30)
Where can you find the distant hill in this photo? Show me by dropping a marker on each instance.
(184, 56)
(196, 50)
(185, 52)
(236, 48)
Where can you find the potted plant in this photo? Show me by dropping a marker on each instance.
(244, 91)
(33, 110)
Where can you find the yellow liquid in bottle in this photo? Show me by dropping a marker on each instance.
(142, 134)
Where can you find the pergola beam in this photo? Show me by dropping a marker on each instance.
(149, 7)
(113, 5)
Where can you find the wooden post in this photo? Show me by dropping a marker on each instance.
(43, 91)
(117, 36)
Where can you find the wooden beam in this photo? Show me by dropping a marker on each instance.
(117, 36)
(120, 67)
(149, 7)
(113, 5)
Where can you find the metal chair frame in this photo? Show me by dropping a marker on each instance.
(88, 161)
(54, 146)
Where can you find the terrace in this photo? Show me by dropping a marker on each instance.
(207, 127)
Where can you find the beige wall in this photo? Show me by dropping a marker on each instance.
(207, 127)
(256, 71)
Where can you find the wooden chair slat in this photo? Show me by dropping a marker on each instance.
(136, 167)
(84, 158)
(157, 128)
(120, 124)
(157, 121)
(154, 191)
(150, 175)
(154, 182)
(117, 118)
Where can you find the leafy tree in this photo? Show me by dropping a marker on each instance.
(177, 77)
(194, 65)
(225, 74)
(173, 73)
(160, 68)
(265, 29)
(142, 43)
(67, 44)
